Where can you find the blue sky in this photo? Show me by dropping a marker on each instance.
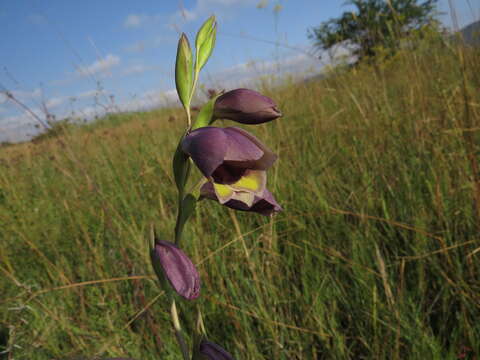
(86, 57)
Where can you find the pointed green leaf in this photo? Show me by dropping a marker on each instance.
(181, 167)
(205, 115)
(204, 31)
(205, 42)
(186, 210)
(183, 70)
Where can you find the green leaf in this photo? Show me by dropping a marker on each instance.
(205, 42)
(183, 71)
(181, 167)
(205, 114)
(187, 208)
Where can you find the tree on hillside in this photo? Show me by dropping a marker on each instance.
(374, 24)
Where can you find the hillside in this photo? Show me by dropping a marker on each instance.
(471, 34)
(375, 256)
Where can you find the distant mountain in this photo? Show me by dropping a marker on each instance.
(471, 34)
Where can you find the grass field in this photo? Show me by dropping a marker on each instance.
(376, 255)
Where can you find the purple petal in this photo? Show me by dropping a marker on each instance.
(246, 106)
(266, 205)
(207, 191)
(178, 269)
(207, 147)
(262, 162)
(224, 154)
(214, 352)
(241, 147)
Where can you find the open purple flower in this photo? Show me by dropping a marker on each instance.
(246, 106)
(235, 163)
(170, 262)
(224, 154)
(212, 351)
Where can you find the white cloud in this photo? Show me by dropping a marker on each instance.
(204, 8)
(135, 69)
(54, 102)
(87, 94)
(101, 65)
(136, 47)
(27, 95)
(158, 40)
(248, 74)
(134, 20)
(18, 127)
(149, 100)
(138, 20)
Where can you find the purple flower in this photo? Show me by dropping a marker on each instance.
(246, 106)
(172, 263)
(235, 164)
(224, 154)
(212, 351)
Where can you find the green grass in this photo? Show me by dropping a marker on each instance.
(376, 255)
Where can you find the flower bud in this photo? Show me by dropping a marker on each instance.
(246, 106)
(170, 262)
(212, 351)
(183, 70)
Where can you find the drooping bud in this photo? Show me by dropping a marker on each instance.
(170, 262)
(246, 106)
(211, 351)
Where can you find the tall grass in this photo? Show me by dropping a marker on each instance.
(376, 255)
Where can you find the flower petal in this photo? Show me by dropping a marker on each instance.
(213, 351)
(179, 270)
(264, 204)
(262, 162)
(223, 192)
(252, 181)
(224, 154)
(207, 147)
(241, 147)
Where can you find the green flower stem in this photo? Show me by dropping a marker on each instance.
(189, 116)
(181, 196)
(181, 192)
(178, 332)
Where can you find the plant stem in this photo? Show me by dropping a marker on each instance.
(181, 195)
(178, 332)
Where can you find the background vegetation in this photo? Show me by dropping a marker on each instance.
(376, 255)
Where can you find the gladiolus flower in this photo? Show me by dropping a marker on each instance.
(212, 351)
(235, 163)
(246, 106)
(225, 154)
(172, 263)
